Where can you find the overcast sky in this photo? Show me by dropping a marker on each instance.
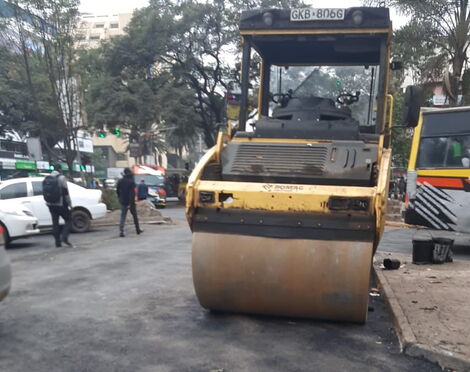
(127, 6)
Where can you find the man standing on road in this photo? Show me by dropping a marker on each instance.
(56, 195)
(126, 193)
(142, 190)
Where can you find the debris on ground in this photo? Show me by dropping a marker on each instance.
(146, 212)
(391, 264)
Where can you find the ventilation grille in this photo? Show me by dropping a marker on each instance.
(261, 159)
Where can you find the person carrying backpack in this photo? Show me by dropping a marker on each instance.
(56, 195)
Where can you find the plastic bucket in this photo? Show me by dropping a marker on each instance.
(442, 250)
(423, 251)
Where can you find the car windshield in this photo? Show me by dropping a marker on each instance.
(150, 180)
(331, 82)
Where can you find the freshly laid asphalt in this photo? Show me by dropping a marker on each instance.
(128, 304)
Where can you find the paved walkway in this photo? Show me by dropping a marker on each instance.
(430, 305)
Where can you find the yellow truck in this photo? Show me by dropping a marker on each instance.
(287, 210)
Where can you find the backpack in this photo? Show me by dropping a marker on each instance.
(51, 189)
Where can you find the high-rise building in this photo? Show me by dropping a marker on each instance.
(95, 28)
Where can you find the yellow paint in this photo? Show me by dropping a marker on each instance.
(317, 32)
(280, 197)
(460, 173)
(382, 192)
(415, 144)
(196, 174)
(278, 140)
(388, 126)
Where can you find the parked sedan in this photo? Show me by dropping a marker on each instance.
(5, 269)
(86, 203)
(16, 220)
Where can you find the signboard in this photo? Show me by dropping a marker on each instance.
(27, 165)
(8, 164)
(134, 150)
(42, 165)
(115, 172)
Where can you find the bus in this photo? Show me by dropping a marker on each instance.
(438, 177)
(155, 178)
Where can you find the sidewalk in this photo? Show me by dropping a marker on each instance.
(430, 307)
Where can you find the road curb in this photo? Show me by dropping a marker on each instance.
(399, 224)
(142, 222)
(409, 345)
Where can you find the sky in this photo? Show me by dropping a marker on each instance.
(127, 6)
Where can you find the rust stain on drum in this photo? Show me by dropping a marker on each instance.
(287, 277)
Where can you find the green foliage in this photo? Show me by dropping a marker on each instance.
(440, 25)
(401, 137)
(43, 96)
(98, 159)
(179, 49)
(418, 54)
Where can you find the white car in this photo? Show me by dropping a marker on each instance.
(5, 269)
(86, 203)
(17, 220)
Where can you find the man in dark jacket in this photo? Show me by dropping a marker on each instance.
(142, 190)
(60, 208)
(126, 193)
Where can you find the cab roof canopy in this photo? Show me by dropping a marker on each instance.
(282, 41)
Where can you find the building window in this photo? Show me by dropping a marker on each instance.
(99, 25)
(94, 37)
(114, 25)
(121, 156)
(15, 147)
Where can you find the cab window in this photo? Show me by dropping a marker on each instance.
(16, 190)
(37, 188)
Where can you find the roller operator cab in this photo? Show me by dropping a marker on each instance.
(287, 209)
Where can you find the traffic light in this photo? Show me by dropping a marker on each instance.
(101, 134)
(82, 168)
(116, 132)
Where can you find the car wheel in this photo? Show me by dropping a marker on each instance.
(80, 221)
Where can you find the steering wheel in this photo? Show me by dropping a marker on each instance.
(279, 97)
(347, 98)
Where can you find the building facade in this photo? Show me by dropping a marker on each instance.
(95, 28)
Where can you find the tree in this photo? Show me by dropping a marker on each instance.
(401, 137)
(185, 52)
(444, 25)
(43, 34)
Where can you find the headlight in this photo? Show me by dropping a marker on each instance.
(357, 17)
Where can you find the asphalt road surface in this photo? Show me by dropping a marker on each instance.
(128, 304)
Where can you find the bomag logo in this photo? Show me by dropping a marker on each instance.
(291, 188)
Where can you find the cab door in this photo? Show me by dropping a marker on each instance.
(38, 205)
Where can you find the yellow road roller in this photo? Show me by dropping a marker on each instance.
(287, 209)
